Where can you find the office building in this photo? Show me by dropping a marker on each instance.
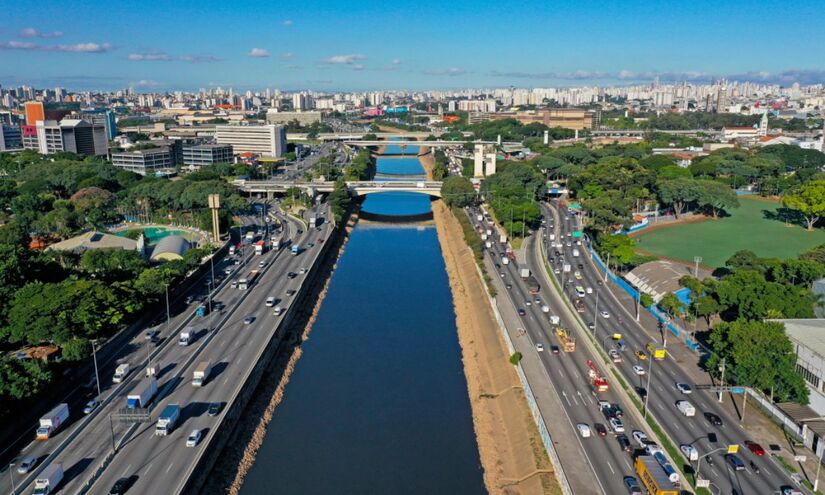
(195, 156)
(104, 117)
(266, 140)
(153, 161)
(10, 138)
(28, 135)
(34, 111)
(566, 118)
(303, 118)
(71, 135)
(301, 101)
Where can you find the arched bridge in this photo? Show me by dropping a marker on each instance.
(356, 188)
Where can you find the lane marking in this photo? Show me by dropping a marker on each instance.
(170, 466)
(128, 468)
(611, 467)
(149, 468)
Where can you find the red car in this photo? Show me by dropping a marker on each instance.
(600, 429)
(754, 447)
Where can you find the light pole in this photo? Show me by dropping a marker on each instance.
(596, 313)
(728, 448)
(210, 306)
(722, 369)
(647, 388)
(168, 318)
(94, 358)
(112, 430)
(607, 267)
(696, 261)
(11, 475)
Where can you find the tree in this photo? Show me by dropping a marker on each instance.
(678, 193)
(809, 200)
(760, 355)
(671, 305)
(704, 306)
(457, 191)
(716, 196)
(620, 247)
(21, 378)
(113, 264)
(77, 349)
(645, 299)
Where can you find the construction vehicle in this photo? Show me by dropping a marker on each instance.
(568, 342)
(654, 477)
(658, 353)
(599, 382)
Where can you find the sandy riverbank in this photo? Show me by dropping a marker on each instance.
(509, 445)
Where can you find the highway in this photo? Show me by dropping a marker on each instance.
(158, 463)
(87, 451)
(606, 462)
(663, 375)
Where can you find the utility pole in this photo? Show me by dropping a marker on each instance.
(744, 406)
(638, 302)
(607, 267)
(722, 369)
(112, 429)
(168, 317)
(596, 313)
(94, 358)
(647, 388)
(696, 261)
(11, 475)
(818, 466)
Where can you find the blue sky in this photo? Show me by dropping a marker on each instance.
(426, 44)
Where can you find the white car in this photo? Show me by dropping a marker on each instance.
(27, 464)
(528, 303)
(584, 430)
(603, 404)
(589, 290)
(617, 425)
(684, 388)
(194, 438)
(640, 438)
(638, 369)
(604, 314)
(690, 452)
(652, 448)
(540, 347)
(90, 406)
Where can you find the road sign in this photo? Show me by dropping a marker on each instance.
(136, 415)
(732, 449)
(702, 483)
(799, 458)
(737, 390)
(566, 268)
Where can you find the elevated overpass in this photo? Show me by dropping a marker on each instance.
(431, 144)
(356, 188)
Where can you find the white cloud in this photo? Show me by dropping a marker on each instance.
(74, 48)
(452, 71)
(165, 57)
(196, 59)
(287, 55)
(259, 53)
(31, 32)
(287, 22)
(358, 67)
(396, 61)
(344, 59)
(146, 83)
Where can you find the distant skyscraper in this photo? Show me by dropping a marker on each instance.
(721, 99)
(34, 112)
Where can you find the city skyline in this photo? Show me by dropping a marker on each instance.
(374, 46)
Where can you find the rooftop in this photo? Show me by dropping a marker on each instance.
(95, 240)
(657, 278)
(809, 332)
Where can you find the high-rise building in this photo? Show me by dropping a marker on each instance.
(34, 112)
(71, 135)
(266, 140)
(10, 138)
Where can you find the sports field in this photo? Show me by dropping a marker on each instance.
(716, 240)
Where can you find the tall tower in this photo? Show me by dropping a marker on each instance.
(763, 125)
(478, 161)
(214, 205)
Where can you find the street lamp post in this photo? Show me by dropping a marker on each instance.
(94, 358)
(647, 388)
(168, 317)
(596, 313)
(112, 430)
(11, 475)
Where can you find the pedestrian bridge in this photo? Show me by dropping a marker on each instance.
(356, 188)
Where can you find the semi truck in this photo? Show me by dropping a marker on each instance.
(186, 336)
(48, 480)
(120, 372)
(260, 247)
(654, 477)
(140, 396)
(201, 374)
(52, 421)
(247, 281)
(167, 420)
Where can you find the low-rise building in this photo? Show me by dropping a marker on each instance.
(303, 118)
(195, 156)
(145, 162)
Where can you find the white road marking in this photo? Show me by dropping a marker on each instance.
(676, 425)
(226, 380)
(564, 394)
(149, 468)
(170, 466)
(128, 468)
(611, 468)
(628, 465)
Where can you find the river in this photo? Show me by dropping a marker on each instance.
(378, 401)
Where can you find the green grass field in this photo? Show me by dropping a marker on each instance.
(716, 240)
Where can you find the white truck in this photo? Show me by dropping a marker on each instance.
(686, 408)
(167, 420)
(505, 260)
(313, 221)
(186, 336)
(524, 272)
(120, 372)
(479, 217)
(52, 421)
(275, 242)
(201, 373)
(502, 238)
(554, 319)
(140, 396)
(575, 253)
(48, 480)
(153, 368)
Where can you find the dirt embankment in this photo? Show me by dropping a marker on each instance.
(509, 445)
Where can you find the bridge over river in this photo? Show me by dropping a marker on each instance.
(356, 188)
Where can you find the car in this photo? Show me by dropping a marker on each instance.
(712, 437)
(577, 275)
(640, 437)
(540, 347)
(152, 335)
(684, 388)
(528, 303)
(624, 443)
(584, 430)
(689, 452)
(90, 406)
(234, 284)
(652, 448)
(591, 325)
(603, 404)
(261, 264)
(311, 244)
(554, 349)
(320, 240)
(620, 345)
(580, 266)
(641, 356)
(735, 462)
(789, 490)
(614, 356)
(189, 299)
(302, 271)
(502, 274)
(617, 425)
(213, 409)
(228, 271)
(713, 419)
(600, 429)
(248, 319)
(291, 292)
(291, 275)
(588, 290)
(537, 301)
(194, 438)
(617, 410)
(632, 485)
(604, 314)
(638, 370)
(509, 286)
(755, 448)
(521, 312)
(552, 259)
(121, 486)
(26, 464)
(556, 270)
(237, 262)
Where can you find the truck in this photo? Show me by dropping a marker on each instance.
(524, 272)
(260, 247)
(247, 281)
(502, 238)
(52, 421)
(120, 372)
(249, 237)
(505, 260)
(533, 285)
(140, 396)
(672, 475)
(658, 352)
(554, 319)
(313, 221)
(186, 336)
(575, 253)
(295, 249)
(654, 477)
(579, 305)
(153, 368)
(567, 341)
(48, 479)
(202, 310)
(479, 217)
(686, 408)
(599, 382)
(275, 243)
(201, 373)
(167, 420)
(232, 250)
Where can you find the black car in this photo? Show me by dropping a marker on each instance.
(624, 443)
(291, 292)
(521, 312)
(642, 392)
(120, 486)
(554, 349)
(581, 266)
(214, 408)
(713, 419)
(291, 275)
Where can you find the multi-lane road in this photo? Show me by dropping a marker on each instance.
(223, 338)
(663, 375)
